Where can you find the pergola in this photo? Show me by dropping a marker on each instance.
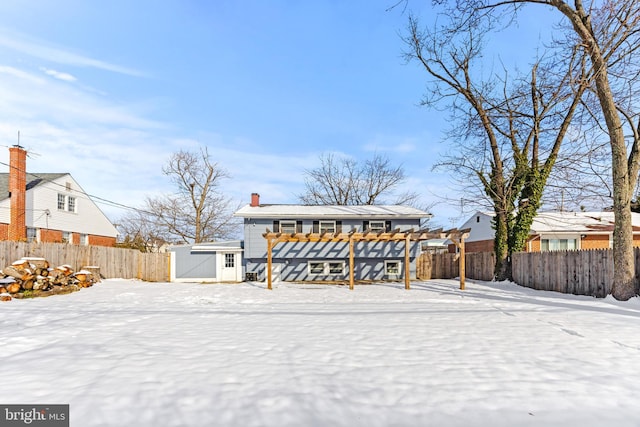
(455, 235)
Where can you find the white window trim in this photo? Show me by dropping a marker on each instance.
(326, 270)
(377, 225)
(75, 204)
(548, 237)
(229, 258)
(320, 226)
(290, 224)
(387, 263)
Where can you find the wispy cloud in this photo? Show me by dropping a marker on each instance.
(59, 75)
(44, 50)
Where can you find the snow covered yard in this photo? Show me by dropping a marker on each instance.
(128, 353)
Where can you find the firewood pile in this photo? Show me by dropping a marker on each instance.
(35, 277)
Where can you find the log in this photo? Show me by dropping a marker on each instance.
(94, 270)
(65, 269)
(21, 264)
(36, 262)
(18, 273)
(13, 288)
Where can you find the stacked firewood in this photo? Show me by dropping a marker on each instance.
(35, 274)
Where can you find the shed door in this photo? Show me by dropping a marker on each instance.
(229, 266)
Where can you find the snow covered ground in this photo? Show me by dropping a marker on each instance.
(128, 353)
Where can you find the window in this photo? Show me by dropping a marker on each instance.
(377, 226)
(558, 245)
(392, 268)
(327, 227)
(326, 267)
(66, 203)
(229, 260)
(336, 267)
(84, 239)
(32, 234)
(67, 237)
(287, 227)
(316, 267)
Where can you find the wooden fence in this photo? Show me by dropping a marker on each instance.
(113, 262)
(585, 272)
(478, 265)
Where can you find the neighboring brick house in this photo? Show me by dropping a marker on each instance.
(49, 207)
(552, 231)
(328, 261)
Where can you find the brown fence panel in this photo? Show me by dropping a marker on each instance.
(113, 262)
(585, 272)
(478, 265)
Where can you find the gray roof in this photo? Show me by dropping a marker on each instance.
(331, 211)
(33, 180)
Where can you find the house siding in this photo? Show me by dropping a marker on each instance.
(290, 260)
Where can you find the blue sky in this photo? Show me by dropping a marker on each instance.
(108, 90)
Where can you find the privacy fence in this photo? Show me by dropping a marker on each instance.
(113, 262)
(584, 272)
(478, 265)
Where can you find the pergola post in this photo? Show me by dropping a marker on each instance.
(269, 266)
(351, 263)
(407, 265)
(461, 260)
(461, 264)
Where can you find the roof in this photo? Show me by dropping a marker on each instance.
(331, 211)
(578, 222)
(33, 180)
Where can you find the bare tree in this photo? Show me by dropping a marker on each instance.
(138, 230)
(506, 133)
(198, 211)
(609, 32)
(345, 181)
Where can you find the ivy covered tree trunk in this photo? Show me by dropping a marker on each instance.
(500, 245)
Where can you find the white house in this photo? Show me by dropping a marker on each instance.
(552, 231)
(49, 207)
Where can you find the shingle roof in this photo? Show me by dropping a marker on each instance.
(32, 181)
(578, 222)
(333, 211)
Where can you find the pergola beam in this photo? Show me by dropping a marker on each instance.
(455, 235)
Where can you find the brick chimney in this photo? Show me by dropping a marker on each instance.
(17, 190)
(255, 199)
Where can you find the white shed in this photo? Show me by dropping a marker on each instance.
(207, 262)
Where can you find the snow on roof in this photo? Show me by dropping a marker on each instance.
(577, 222)
(333, 211)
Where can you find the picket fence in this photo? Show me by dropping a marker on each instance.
(113, 262)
